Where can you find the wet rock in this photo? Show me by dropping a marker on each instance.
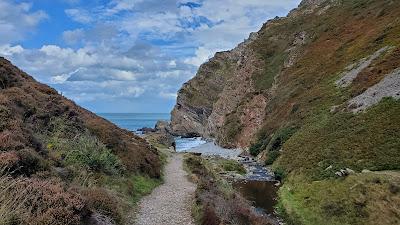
(146, 130)
(99, 219)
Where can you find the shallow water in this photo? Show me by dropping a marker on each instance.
(184, 144)
(262, 193)
(211, 149)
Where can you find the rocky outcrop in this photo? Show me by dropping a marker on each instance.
(388, 87)
(224, 101)
(161, 135)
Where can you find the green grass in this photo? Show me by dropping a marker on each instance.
(143, 186)
(367, 198)
(232, 127)
(369, 140)
(232, 166)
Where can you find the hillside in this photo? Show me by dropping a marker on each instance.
(59, 162)
(316, 95)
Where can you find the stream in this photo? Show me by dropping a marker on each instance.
(258, 185)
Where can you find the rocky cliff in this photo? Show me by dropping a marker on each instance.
(268, 79)
(313, 94)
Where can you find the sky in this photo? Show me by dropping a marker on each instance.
(123, 56)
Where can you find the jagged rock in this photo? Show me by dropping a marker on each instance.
(146, 130)
(163, 126)
(161, 134)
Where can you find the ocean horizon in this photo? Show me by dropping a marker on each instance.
(135, 121)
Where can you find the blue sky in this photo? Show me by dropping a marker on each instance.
(125, 55)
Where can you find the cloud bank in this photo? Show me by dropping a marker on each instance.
(122, 50)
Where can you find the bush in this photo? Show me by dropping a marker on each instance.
(271, 157)
(86, 151)
(233, 166)
(24, 162)
(101, 201)
(259, 146)
(38, 202)
(280, 137)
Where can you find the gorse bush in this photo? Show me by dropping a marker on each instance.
(94, 155)
(86, 151)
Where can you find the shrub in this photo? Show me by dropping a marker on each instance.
(259, 146)
(280, 173)
(38, 202)
(233, 127)
(8, 160)
(280, 137)
(271, 157)
(24, 162)
(86, 151)
(232, 165)
(30, 162)
(102, 201)
(9, 141)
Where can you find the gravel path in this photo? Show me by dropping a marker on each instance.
(170, 203)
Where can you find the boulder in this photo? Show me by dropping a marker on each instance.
(161, 134)
(163, 126)
(146, 130)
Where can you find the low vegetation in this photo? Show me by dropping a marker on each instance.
(216, 202)
(63, 165)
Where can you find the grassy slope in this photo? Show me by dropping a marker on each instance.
(59, 159)
(305, 94)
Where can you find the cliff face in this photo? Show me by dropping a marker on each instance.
(315, 95)
(274, 76)
(28, 111)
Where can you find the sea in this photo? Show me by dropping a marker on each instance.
(135, 121)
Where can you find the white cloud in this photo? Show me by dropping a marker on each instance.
(8, 50)
(59, 79)
(79, 15)
(73, 36)
(17, 20)
(117, 6)
(171, 95)
(202, 55)
(134, 48)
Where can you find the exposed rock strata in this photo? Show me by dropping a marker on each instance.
(279, 75)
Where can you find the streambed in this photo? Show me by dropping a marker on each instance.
(258, 185)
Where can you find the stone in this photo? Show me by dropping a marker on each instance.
(100, 219)
(146, 130)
